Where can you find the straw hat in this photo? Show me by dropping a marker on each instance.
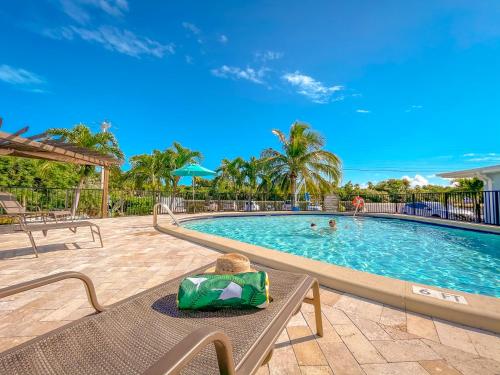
(231, 263)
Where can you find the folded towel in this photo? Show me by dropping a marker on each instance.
(212, 291)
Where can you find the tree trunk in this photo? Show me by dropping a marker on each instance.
(76, 198)
(174, 185)
(293, 184)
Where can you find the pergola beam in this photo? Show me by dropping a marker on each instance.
(44, 156)
(25, 145)
(19, 132)
(39, 147)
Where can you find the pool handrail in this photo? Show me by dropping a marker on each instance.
(156, 208)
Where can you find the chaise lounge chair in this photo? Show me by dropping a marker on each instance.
(13, 208)
(147, 334)
(9, 200)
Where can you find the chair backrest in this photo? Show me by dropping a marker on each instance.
(10, 204)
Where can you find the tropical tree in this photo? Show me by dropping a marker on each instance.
(394, 186)
(469, 184)
(36, 173)
(80, 135)
(148, 169)
(230, 172)
(180, 156)
(250, 170)
(302, 162)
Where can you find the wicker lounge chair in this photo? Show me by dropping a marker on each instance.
(147, 334)
(13, 208)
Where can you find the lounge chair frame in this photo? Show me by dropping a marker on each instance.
(188, 348)
(18, 212)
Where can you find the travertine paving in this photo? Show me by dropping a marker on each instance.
(361, 336)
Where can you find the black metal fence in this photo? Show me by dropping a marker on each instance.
(222, 202)
(476, 207)
(129, 203)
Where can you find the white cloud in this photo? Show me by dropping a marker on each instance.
(414, 108)
(418, 180)
(78, 9)
(309, 87)
(482, 157)
(256, 76)
(22, 79)
(191, 27)
(268, 56)
(223, 39)
(18, 76)
(486, 158)
(194, 30)
(114, 39)
(363, 111)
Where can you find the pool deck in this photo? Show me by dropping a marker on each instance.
(361, 336)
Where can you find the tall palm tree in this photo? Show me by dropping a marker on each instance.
(231, 171)
(81, 135)
(302, 162)
(147, 169)
(250, 170)
(180, 156)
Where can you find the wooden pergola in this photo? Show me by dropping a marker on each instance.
(43, 146)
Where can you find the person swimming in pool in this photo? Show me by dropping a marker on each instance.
(313, 225)
(332, 224)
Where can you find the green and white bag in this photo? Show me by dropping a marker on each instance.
(211, 291)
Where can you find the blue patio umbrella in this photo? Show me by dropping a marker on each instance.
(193, 170)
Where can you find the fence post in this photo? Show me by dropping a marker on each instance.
(497, 207)
(477, 206)
(446, 204)
(413, 204)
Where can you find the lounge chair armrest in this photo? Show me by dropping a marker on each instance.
(37, 283)
(181, 354)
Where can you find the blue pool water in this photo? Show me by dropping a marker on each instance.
(450, 258)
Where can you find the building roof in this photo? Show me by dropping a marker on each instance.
(43, 146)
(471, 172)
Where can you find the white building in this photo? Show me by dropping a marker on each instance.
(489, 175)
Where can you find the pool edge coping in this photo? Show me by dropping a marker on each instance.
(481, 311)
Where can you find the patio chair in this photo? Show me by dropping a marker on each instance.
(10, 202)
(14, 209)
(147, 334)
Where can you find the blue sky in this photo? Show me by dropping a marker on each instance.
(397, 88)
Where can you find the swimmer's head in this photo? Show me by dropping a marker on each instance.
(332, 223)
(313, 225)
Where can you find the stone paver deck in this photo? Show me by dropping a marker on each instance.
(361, 336)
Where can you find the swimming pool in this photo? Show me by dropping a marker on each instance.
(446, 257)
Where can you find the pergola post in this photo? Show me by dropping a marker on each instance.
(105, 192)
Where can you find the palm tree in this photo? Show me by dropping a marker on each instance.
(147, 169)
(302, 161)
(102, 142)
(250, 170)
(230, 171)
(180, 156)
